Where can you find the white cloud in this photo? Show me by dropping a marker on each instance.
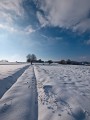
(10, 10)
(42, 19)
(83, 26)
(8, 28)
(66, 13)
(11, 6)
(29, 29)
(88, 42)
(61, 13)
(51, 40)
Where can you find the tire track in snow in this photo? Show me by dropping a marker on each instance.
(55, 102)
(7, 82)
(20, 102)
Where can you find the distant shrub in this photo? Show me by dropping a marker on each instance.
(62, 62)
(68, 61)
(50, 61)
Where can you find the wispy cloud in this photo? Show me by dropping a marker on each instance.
(83, 26)
(12, 12)
(8, 28)
(84, 58)
(43, 21)
(87, 42)
(9, 12)
(51, 40)
(56, 13)
(12, 7)
(29, 29)
(66, 13)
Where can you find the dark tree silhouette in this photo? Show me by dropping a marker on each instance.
(40, 61)
(50, 61)
(69, 61)
(31, 58)
(62, 62)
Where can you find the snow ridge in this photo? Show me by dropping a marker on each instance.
(20, 102)
(7, 82)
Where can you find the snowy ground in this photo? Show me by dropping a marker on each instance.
(43, 92)
(63, 92)
(7, 70)
(9, 75)
(20, 101)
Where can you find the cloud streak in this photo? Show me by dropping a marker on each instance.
(66, 13)
(9, 6)
(88, 42)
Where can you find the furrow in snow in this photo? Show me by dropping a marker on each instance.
(20, 101)
(7, 82)
(57, 100)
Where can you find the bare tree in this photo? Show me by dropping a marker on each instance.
(31, 58)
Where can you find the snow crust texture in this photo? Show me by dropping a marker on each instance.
(9, 75)
(20, 101)
(63, 92)
(46, 92)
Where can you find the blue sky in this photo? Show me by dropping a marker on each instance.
(51, 29)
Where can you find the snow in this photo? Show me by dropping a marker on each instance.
(8, 76)
(63, 92)
(7, 70)
(20, 101)
(46, 92)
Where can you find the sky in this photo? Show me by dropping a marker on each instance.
(51, 29)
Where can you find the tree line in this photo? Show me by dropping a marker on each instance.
(31, 58)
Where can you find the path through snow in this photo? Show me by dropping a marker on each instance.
(20, 101)
(48, 93)
(7, 81)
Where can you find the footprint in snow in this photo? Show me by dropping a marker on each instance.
(5, 108)
(29, 86)
(59, 114)
(78, 113)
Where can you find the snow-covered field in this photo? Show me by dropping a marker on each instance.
(7, 70)
(9, 74)
(44, 92)
(63, 92)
